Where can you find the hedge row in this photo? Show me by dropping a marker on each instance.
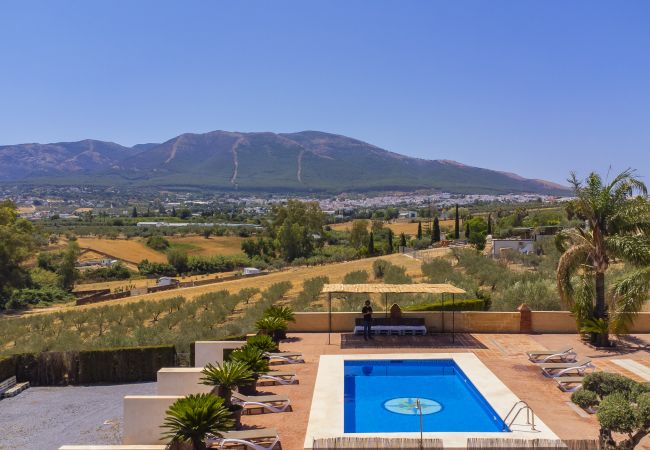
(119, 365)
(473, 304)
(7, 368)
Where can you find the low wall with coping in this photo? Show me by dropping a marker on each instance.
(181, 381)
(558, 322)
(211, 352)
(113, 447)
(143, 416)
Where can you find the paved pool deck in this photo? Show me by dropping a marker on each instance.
(503, 354)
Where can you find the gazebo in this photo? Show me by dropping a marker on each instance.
(380, 288)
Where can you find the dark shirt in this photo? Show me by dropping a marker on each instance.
(367, 313)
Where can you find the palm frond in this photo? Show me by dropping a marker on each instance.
(634, 249)
(571, 261)
(630, 293)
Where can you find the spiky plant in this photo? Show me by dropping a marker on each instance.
(191, 419)
(263, 342)
(283, 312)
(227, 376)
(616, 227)
(253, 357)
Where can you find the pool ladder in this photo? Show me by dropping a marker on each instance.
(530, 415)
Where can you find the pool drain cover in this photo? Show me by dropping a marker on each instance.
(408, 405)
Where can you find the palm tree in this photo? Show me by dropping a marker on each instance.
(226, 377)
(255, 360)
(192, 418)
(616, 227)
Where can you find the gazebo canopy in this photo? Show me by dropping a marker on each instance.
(380, 288)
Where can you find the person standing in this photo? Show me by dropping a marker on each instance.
(367, 320)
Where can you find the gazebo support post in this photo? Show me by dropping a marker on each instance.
(386, 302)
(329, 330)
(442, 312)
(453, 317)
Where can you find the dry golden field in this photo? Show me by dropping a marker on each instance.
(408, 228)
(296, 276)
(215, 245)
(129, 250)
(145, 282)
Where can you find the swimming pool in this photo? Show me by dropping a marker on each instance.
(381, 396)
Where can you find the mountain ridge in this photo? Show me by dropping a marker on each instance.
(310, 161)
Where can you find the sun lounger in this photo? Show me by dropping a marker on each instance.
(10, 388)
(277, 377)
(257, 439)
(286, 357)
(569, 384)
(559, 369)
(565, 354)
(272, 403)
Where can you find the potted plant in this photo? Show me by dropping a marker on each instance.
(256, 362)
(275, 327)
(225, 378)
(282, 312)
(190, 420)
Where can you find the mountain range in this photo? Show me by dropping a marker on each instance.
(307, 161)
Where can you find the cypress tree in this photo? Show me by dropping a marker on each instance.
(419, 230)
(489, 224)
(456, 225)
(173, 211)
(435, 235)
(371, 244)
(390, 241)
(134, 213)
(467, 231)
(402, 240)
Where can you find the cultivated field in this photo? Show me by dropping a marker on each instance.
(129, 250)
(296, 276)
(215, 245)
(408, 228)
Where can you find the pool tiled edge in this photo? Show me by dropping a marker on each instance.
(326, 419)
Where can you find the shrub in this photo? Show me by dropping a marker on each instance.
(474, 304)
(379, 268)
(124, 365)
(156, 269)
(311, 289)
(178, 259)
(117, 271)
(604, 384)
(158, 243)
(585, 399)
(45, 295)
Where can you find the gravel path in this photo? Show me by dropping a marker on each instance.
(44, 418)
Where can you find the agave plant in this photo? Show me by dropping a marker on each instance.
(272, 326)
(263, 342)
(283, 312)
(226, 377)
(192, 418)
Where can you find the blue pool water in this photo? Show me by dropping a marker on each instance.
(380, 396)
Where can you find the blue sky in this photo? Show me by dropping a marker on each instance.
(534, 87)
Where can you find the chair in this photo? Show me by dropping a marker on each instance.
(565, 354)
(277, 377)
(272, 403)
(554, 370)
(257, 439)
(569, 384)
(286, 357)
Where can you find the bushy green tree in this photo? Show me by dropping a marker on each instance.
(17, 242)
(178, 259)
(359, 233)
(294, 227)
(67, 272)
